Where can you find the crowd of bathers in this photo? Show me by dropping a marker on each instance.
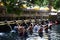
(24, 29)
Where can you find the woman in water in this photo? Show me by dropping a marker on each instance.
(46, 28)
(21, 31)
(30, 29)
(41, 31)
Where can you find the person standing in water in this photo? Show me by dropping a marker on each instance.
(50, 27)
(36, 28)
(46, 28)
(30, 29)
(40, 32)
(21, 31)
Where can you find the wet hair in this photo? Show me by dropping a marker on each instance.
(30, 24)
(47, 25)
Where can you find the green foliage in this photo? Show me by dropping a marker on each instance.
(41, 2)
(11, 6)
(46, 2)
(56, 4)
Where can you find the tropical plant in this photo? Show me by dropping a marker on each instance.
(12, 6)
(56, 4)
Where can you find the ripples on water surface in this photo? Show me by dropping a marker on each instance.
(55, 35)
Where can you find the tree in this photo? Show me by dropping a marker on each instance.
(56, 4)
(12, 6)
(39, 2)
